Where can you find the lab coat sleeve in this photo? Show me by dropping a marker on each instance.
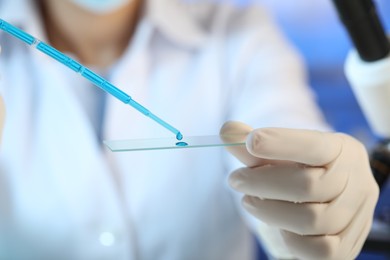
(268, 81)
(268, 88)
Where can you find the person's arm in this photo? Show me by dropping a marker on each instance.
(267, 74)
(328, 174)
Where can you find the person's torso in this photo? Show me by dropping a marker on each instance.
(66, 193)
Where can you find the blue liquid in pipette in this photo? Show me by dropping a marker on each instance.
(85, 72)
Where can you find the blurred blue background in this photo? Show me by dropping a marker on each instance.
(315, 30)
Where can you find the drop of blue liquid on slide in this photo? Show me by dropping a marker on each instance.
(179, 136)
(182, 144)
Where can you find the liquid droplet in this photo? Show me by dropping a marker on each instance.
(179, 136)
(182, 144)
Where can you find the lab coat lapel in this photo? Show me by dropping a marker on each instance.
(64, 133)
(130, 75)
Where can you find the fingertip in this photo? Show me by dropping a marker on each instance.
(237, 180)
(226, 127)
(247, 202)
(237, 132)
(233, 131)
(233, 180)
(234, 128)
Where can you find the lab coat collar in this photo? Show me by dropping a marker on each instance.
(176, 21)
(23, 14)
(13, 11)
(173, 18)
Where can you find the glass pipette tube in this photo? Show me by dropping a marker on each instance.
(85, 72)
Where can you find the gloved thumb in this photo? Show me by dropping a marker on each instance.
(233, 131)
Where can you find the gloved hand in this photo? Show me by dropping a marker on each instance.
(316, 187)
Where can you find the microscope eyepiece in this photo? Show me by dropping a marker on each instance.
(364, 28)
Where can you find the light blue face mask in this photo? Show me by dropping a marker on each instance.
(101, 6)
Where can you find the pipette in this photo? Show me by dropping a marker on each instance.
(85, 72)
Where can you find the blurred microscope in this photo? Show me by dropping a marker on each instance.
(367, 69)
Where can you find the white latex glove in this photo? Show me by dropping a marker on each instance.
(316, 187)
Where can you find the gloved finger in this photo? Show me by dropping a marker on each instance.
(288, 183)
(301, 218)
(312, 247)
(345, 245)
(303, 146)
(238, 132)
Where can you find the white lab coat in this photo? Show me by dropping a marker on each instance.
(63, 195)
